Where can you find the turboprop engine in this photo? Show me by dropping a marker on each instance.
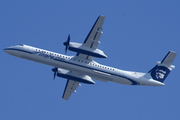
(79, 48)
(72, 76)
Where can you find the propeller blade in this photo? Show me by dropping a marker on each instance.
(55, 70)
(55, 73)
(68, 40)
(66, 49)
(67, 43)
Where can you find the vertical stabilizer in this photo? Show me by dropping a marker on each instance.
(163, 68)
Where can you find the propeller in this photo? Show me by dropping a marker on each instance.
(55, 70)
(67, 44)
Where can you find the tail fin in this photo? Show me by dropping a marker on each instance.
(163, 68)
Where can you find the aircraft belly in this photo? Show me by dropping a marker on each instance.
(121, 80)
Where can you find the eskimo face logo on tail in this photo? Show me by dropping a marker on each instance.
(159, 73)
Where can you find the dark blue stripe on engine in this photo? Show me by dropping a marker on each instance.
(86, 52)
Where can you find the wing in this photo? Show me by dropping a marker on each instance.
(92, 39)
(71, 87)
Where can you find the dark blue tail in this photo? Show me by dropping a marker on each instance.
(159, 73)
(163, 68)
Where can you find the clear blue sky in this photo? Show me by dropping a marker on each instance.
(136, 34)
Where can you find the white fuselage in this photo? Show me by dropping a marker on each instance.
(83, 66)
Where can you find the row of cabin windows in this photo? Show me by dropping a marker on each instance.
(55, 54)
(97, 65)
(82, 61)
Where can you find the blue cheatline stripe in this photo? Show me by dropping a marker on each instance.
(133, 81)
(18, 50)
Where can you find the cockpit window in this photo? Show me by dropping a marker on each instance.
(21, 44)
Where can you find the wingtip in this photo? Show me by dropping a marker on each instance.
(172, 52)
(101, 16)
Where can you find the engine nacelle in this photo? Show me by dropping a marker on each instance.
(77, 47)
(74, 76)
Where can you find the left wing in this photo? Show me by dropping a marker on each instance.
(71, 87)
(92, 39)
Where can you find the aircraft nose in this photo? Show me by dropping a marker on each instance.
(6, 50)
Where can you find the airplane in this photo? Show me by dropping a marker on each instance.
(82, 68)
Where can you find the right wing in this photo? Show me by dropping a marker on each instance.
(71, 87)
(92, 39)
(94, 35)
